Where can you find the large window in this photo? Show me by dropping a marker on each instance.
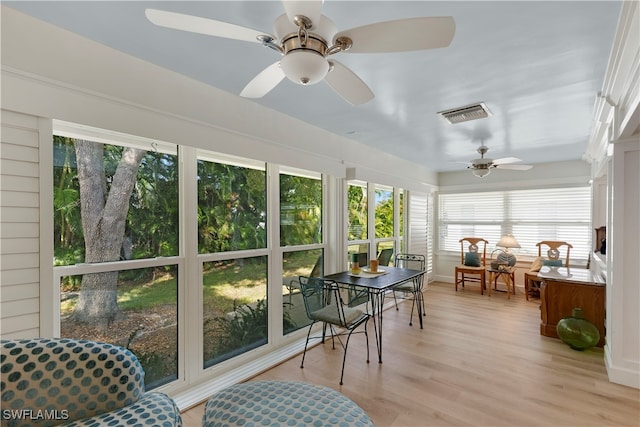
(530, 215)
(376, 222)
(357, 207)
(300, 239)
(232, 242)
(383, 212)
(115, 239)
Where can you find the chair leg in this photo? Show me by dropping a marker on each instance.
(304, 353)
(395, 299)
(346, 345)
(413, 304)
(526, 287)
(418, 298)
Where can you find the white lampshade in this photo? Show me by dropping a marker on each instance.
(508, 241)
(304, 67)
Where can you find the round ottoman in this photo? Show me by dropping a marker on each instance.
(282, 403)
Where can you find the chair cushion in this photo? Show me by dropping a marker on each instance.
(330, 314)
(536, 265)
(471, 259)
(406, 286)
(153, 409)
(282, 403)
(552, 262)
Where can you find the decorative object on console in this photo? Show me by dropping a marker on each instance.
(577, 332)
(600, 240)
(507, 241)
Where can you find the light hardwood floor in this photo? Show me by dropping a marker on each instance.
(479, 361)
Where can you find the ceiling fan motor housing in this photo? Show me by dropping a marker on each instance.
(304, 49)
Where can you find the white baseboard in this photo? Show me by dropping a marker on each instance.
(627, 376)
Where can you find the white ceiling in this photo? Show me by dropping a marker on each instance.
(538, 66)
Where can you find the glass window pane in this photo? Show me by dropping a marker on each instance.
(300, 210)
(131, 193)
(357, 205)
(384, 212)
(231, 207)
(295, 264)
(362, 251)
(235, 307)
(142, 315)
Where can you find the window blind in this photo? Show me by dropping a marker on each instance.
(530, 215)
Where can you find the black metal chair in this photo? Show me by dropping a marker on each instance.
(384, 257)
(411, 289)
(323, 303)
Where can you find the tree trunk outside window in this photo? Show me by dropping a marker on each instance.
(104, 213)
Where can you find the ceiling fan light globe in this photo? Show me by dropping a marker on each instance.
(481, 173)
(304, 67)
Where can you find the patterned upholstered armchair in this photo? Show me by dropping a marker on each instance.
(60, 381)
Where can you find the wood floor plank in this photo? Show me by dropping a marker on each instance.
(479, 361)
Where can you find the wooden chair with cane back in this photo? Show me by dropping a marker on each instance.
(554, 258)
(473, 255)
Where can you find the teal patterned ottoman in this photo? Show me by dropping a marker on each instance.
(71, 382)
(282, 403)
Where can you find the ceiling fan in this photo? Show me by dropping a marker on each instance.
(306, 39)
(482, 167)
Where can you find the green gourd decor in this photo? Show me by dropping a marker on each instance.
(577, 332)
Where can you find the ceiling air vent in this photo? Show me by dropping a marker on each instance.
(466, 113)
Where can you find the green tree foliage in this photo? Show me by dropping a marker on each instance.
(152, 219)
(384, 214)
(231, 208)
(300, 210)
(357, 207)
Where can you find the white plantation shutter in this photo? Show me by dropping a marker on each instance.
(419, 227)
(530, 215)
(430, 220)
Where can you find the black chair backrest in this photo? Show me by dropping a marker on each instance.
(318, 294)
(385, 256)
(412, 261)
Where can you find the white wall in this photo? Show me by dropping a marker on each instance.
(622, 348)
(614, 152)
(19, 226)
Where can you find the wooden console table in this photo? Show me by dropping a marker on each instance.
(563, 289)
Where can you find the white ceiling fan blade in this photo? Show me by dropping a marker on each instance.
(263, 82)
(312, 9)
(505, 160)
(348, 85)
(514, 167)
(402, 35)
(197, 24)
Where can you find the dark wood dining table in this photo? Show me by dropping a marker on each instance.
(376, 286)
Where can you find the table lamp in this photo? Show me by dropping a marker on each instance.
(507, 241)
